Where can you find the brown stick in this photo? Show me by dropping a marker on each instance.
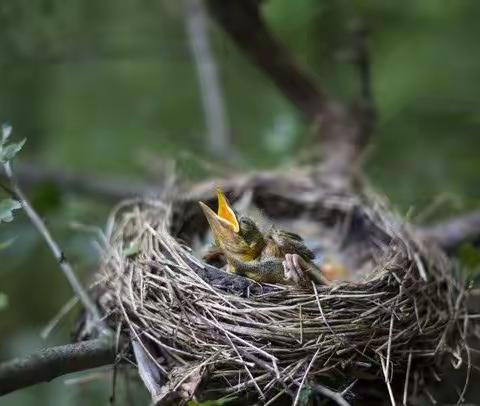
(243, 22)
(340, 132)
(50, 363)
(448, 234)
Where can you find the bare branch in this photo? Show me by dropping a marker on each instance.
(452, 233)
(337, 129)
(243, 22)
(449, 234)
(362, 61)
(50, 363)
(109, 189)
(210, 90)
(55, 248)
(341, 142)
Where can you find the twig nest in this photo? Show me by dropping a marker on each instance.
(399, 320)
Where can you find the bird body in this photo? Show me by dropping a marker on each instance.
(276, 256)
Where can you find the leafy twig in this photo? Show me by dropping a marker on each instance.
(17, 193)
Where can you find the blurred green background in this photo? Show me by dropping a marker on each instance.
(110, 87)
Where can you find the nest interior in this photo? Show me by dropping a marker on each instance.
(399, 318)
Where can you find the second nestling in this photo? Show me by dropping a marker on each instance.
(276, 256)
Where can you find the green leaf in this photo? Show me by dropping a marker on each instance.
(3, 301)
(8, 151)
(7, 207)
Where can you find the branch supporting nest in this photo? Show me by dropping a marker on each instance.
(449, 234)
(50, 363)
(454, 232)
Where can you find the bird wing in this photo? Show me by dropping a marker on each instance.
(291, 243)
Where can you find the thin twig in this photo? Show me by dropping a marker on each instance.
(210, 89)
(407, 378)
(64, 310)
(64, 264)
(387, 381)
(302, 382)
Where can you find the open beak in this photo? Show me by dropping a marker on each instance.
(226, 212)
(222, 230)
(224, 223)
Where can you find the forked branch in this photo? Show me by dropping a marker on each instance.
(340, 131)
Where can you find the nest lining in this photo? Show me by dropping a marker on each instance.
(398, 322)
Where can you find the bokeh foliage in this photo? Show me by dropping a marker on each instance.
(110, 87)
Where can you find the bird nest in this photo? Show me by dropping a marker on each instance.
(200, 332)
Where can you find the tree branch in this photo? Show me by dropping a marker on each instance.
(363, 63)
(243, 22)
(50, 363)
(449, 234)
(63, 263)
(216, 119)
(338, 130)
(452, 233)
(106, 188)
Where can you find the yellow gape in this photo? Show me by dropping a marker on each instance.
(226, 212)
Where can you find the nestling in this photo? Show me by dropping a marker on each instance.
(276, 256)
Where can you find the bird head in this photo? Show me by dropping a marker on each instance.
(238, 235)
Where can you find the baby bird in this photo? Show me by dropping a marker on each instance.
(276, 256)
